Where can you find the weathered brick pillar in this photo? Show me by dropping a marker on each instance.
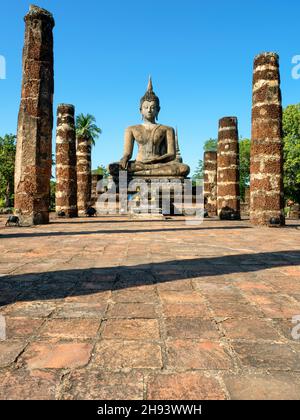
(84, 175)
(35, 122)
(266, 169)
(210, 182)
(94, 195)
(247, 195)
(66, 175)
(228, 181)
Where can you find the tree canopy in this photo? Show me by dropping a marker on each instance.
(244, 156)
(211, 145)
(101, 170)
(198, 174)
(86, 128)
(291, 133)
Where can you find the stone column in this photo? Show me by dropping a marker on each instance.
(210, 182)
(94, 194)
(245, 204)
(66, 176)
(266, 169)
(35, 121)
(228, 182)
(247, 195)
(84, 176)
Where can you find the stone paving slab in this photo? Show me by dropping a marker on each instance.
(115, 308)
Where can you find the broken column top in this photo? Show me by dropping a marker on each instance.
(36, 12)
(227, 122)
(68, 107)
(266, 58)
(210, 153)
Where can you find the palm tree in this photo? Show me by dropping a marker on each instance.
(86, 128)
(86, 133)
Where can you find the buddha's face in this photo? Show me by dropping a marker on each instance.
(149, 110)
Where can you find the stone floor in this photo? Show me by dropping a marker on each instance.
(113, 308)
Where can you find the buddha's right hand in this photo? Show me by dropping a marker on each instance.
(124, 163)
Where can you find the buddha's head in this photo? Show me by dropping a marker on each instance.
(149, 105)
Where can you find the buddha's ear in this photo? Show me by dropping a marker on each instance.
(158, 109)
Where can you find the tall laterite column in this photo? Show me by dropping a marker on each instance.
(228, 182)
(266, 169)
(66, 175)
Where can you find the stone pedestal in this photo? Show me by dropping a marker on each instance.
(84, 176)
(35, 122)
(210, 182)
(266, 179)
(228, 182)
(155, 198)
(66, 177)
(162, 196)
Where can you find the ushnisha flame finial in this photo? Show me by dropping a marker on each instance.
(150, 85)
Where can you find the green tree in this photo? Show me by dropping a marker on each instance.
(86, 128)
(7, 167)
(210, 145)
(52, 195)
(101, 170)
(291, 133)
(198, 174)
(244, 152)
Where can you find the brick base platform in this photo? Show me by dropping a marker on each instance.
(113, 308)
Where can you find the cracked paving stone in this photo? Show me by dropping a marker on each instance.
(191, 328)
(268, 355)
(131, 329)
(263, 386)
(28, 385)
(184, 386)
(101, 385)
(194, 354)
(115, 354)
(9, 351)
(44, 355)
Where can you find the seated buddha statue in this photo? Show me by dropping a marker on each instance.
(157, 147)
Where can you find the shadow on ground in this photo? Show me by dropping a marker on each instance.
(116, 231)
(78, 282)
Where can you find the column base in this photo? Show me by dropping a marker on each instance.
(41, 218)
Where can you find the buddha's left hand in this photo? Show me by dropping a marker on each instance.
(149, 161)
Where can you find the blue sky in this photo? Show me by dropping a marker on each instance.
(199, 53)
